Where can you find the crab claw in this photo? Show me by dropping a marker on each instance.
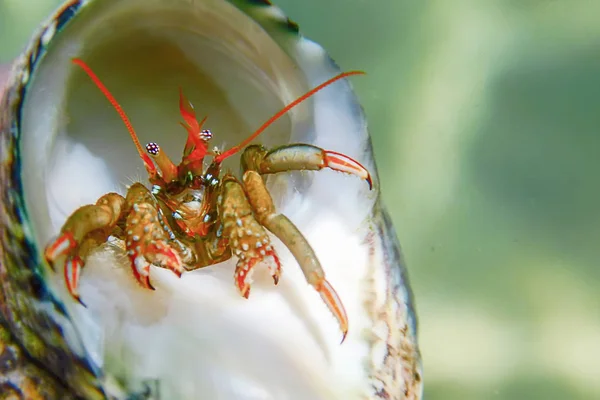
(141, 270)
(300, 157)
(343, 163)
(61, 246)
(245, 269)
(157, 253)
(275, 268)
(243, 276)
(333, 302)
(72, 271)
(164, 256)
(64, 245)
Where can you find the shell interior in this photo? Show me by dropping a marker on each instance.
(196, 334)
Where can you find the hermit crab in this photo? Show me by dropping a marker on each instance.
(194, 216)
(63, 147)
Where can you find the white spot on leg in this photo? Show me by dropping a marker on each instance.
(142, 266)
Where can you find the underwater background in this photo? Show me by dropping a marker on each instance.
(485, 119)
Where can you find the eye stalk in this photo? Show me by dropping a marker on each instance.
(168, 170)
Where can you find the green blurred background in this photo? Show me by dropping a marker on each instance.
(485, 116)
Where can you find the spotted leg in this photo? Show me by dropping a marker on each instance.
(148, 237)
(247, 238)
(288, 233)
(295, 157)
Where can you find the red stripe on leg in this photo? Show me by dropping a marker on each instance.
(343, 163)
(72, 271)
(60, 247)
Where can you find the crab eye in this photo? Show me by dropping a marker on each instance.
(206, 135)
(153, 148)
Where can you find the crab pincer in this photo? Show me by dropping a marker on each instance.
(249, 241)
(299, 157)
(148, 236)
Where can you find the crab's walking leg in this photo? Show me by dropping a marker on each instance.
(294, 157)
(288, 233)
(247, 238)
(148, 237)
(87, 226)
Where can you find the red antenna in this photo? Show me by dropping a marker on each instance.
(282, 112)
(145, 158)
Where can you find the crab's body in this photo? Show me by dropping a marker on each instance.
(193, 218)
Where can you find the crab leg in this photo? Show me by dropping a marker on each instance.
(288, 233)
(148, 238)
(296, 157)
(247, 238)
(87, 226)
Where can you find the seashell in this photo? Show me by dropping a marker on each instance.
(63, 146)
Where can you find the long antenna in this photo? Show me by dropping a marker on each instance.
(282, 112)
(149, 165)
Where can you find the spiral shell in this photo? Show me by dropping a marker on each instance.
(62, 146)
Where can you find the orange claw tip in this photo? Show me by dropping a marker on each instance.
(72, 271)
(335, 305)
(370, 182)
(244, 291)
(177, 273)
(50, 263)
(342, 163)
(147, 284)
(344, 334)
(144, 281)
(78, 298)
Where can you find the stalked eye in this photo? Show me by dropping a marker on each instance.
(153, 148)
(206, 135)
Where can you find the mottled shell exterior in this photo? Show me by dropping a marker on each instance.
(41, 356)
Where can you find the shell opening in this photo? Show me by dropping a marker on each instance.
(75, 149)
